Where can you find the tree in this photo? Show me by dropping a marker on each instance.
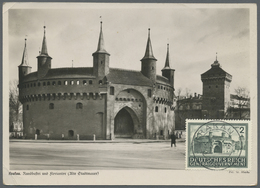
(240, 106)
(188, 92)
(178, 92)
(15, 106)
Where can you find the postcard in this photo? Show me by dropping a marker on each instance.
(129, 94)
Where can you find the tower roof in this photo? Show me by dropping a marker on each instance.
(216, 63)
(167, 61)
(149, 51)
(101, 43)
(216, 72)
(25, 61)
(44, 51)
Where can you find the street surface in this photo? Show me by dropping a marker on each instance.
(37, 155)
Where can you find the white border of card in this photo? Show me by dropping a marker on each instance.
(188, 176)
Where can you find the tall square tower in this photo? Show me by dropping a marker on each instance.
(216, 92)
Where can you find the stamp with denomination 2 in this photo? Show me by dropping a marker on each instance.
(217, 144)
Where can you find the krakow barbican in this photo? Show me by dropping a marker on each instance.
(99, 101)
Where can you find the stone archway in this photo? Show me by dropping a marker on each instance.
(218, 147)
(125, 123)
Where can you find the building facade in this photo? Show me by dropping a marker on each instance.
(98, 101)
(216, 102)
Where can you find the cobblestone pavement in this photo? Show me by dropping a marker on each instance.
(39, 155)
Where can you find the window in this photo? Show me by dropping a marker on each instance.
(90, 82)
(27, 107)
(161, 87)
(39, 84)
(128, 91)
(158, 87)
(161, 132)
(149, 92)
(70, 133)
(100, 82)
(165, 110)
(53, 83)
(48, 83)
(156, 109)
(59, 83)
(44, 84)
(34, 85)
(37, 132)
(71, 82)
(101, 62)
(112, 90)
(65, 83)
(77, 82)
(51, 106)
(216, 86)
(152, 68)
(84, 82)
(209, 86)
(79, 105)
(31, 85)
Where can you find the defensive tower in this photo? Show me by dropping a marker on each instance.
(100, 58)
(149, 61)
(24, 67)
(216, 92)
(44, 60)
(167, 71)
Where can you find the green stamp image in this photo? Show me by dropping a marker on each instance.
(217, 144)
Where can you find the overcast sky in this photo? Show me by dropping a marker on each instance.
(194, 35)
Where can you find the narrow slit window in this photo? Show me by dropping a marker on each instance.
(156, 109)
(112, 90)
(79, 105)
(149, 92)
(51, 106)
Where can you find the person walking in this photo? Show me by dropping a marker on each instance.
(173, 140)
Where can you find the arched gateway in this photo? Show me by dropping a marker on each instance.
(130, 114)
(125, 122)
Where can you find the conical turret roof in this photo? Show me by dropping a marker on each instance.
(44, 51)
(101, 43)
(25, 61)
(167, 61)
(149, 51)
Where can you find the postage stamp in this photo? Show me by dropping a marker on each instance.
(217, 144)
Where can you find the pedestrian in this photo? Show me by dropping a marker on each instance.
(173, 140)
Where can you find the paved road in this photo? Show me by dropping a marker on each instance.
(96, 156)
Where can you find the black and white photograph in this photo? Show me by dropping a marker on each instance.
(100, 93)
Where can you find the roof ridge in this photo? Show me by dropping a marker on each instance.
(70, 68)
(125, 70)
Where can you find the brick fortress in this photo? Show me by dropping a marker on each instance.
(66, 103)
